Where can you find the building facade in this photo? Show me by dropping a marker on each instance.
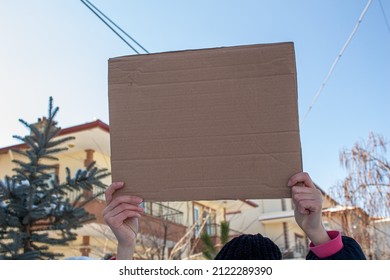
(172, 230)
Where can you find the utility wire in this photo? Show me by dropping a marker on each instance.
(123, 39)
(336, 61)
(100, 15)
(384, 15)
(124, 32)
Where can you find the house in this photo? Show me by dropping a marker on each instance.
(91, 144)
(172, 230)
(372, 233)
(274, 218)
(167, 230)
(381, 235)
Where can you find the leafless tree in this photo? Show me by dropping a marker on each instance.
(367, 190)
(368, 182)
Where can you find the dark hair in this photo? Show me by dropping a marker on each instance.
(250, 247)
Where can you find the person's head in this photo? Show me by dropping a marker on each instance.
(250, 247)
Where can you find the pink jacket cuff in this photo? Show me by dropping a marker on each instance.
(329, 248)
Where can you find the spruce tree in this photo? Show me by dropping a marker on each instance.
(210, 250)
(35, 209)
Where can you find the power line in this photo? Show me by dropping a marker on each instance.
(336, 60)
(100, 15)
(384, 15)
(124, 32)
(123, 39)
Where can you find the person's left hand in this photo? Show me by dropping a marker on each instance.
(121, 214)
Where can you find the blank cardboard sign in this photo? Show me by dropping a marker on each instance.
(205, 124)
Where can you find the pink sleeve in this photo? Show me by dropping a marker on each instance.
(329, 248)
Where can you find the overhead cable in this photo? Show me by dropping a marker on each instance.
(103, 18)
(384, 15)
(336, 61)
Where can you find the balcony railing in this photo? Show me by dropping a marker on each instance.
(214, 230)
(162, 211)
(151, 208)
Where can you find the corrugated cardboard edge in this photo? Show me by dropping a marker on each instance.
(284, 195)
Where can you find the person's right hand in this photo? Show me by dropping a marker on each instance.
(121, 215)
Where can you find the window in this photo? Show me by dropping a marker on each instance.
(207, 215)
(147, 207)
(196, 221)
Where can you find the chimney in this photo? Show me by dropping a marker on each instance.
(41, 123)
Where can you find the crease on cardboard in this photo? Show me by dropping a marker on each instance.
(139, 85)
(224, 135)
(209, 156)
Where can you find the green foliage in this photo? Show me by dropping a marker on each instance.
(225, 232)
(210, 250)
(35, 211)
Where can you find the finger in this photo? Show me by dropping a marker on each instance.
(308, 206)
(302, 210)
(120, 208)
(125, 199)
(300, 190)
(111, 189)
(116, 223)
(118, 220)
(119, 217)
(302, 177)
(297, 197)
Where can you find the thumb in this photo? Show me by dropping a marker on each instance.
(301, 178)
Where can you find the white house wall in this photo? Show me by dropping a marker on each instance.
(75, 161)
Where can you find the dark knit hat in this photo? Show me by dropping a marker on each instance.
(250, 247)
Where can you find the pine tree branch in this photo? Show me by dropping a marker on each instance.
(20, 152)
(85, 202)
(56, 143)
(31, 204)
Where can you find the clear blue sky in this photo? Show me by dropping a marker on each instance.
(60, 49)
